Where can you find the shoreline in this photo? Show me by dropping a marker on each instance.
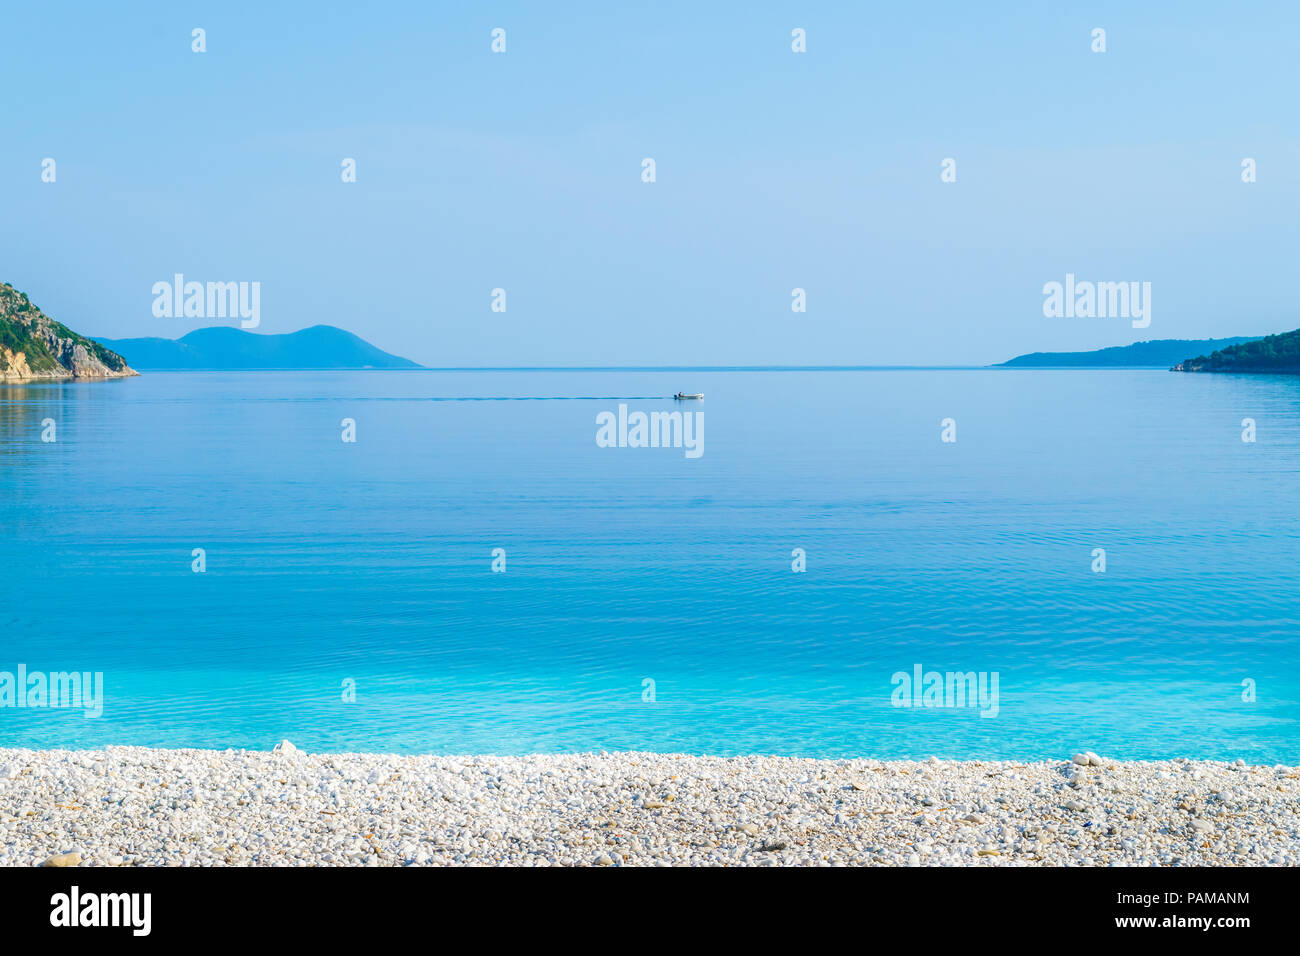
(144, 806)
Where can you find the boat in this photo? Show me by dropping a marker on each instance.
(683, 397)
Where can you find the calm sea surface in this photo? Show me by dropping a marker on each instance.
(330, 562)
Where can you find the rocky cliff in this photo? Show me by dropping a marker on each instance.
(33, 346)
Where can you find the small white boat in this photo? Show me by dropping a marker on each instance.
(683, 397)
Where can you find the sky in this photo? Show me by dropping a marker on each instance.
(774, 170)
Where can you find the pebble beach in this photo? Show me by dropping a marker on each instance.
(133, 806)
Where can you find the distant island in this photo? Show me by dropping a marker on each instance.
(1159, 353)
(1272, 353)
(34, 347)
(224, 348)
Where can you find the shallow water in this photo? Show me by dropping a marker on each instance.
(371, 562)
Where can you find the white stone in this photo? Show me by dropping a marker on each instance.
(137, 806)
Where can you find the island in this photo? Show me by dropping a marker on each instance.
(34, 347)
(224, 348)
(1157, 353)
(1272, 353)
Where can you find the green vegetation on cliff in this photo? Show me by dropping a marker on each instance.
(1273, 353)
(33, 345)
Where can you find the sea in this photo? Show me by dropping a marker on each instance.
(886, 563)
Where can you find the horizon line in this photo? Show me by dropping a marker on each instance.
(674, 368)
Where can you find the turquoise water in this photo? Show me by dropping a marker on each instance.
(371, 562)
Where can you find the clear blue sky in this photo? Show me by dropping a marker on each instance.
(775, 170)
